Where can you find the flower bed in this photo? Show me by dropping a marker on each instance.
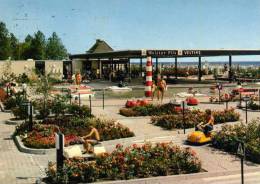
(227, 139)
(254, 106)
(149, 110)
(132, 162)
(42, 135)
(192, 118)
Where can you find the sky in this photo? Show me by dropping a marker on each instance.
(138, 24)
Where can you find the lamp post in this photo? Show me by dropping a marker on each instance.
(219, 86)
(183, 106)
(259, 97)
(246, 99)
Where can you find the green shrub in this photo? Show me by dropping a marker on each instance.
(59, 105)
(42, 135)
(192, 118)
(229, 135)
(79, 111)
(19, 112)
(128, 112)
(252, 105)
(10, 103)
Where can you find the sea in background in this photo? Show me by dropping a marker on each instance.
(209, 63)
(240, 63)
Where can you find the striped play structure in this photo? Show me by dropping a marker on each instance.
(149, 77)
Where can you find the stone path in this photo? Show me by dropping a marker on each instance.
(212, 160)
(17, 167)
(21, 168)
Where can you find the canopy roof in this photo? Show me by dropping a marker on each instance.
(163, 53)
(101, 50)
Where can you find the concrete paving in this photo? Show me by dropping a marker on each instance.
(17, 167)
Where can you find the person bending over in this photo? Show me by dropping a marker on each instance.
(208, 126)
(90, 140)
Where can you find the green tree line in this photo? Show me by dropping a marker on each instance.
(33, 47)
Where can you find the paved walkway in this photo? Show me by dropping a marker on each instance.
(212, 160)
(17, 167)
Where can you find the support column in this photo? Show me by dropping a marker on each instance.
(100, 68)
(230, 73)
(129, 69)
(176, 69)
(199, 68)
(156, 66)
(149, 77)
(141, 66)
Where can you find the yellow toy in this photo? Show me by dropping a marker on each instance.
(198, 137)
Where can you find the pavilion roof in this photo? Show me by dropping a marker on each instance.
(99, 47)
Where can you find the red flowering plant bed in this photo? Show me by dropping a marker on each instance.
(192, 118)
(42, 135)
(150, 110)
(131, 162)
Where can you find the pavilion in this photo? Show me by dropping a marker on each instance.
(103, 54)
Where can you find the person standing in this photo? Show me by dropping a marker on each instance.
(161, 88)
(154, 88)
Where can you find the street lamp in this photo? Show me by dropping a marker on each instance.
(246, 99)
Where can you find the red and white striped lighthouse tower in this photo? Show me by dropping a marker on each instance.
(149, 77)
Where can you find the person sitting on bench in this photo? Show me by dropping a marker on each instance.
(90, 140)
(208, 127)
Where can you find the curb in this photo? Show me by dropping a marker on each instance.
(13, 122)
(177, 178)
(249, 110)
(24, 149)
(213, 103)
(7, 111)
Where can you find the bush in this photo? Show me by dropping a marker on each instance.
(59, 105)
(80, 111)
(229, 135)
(19, 112)
(192, 118)
(149, 110)
(252, 105)
(128, 112)
(42, 135)
(132, 162)
(10, 103)
(14, 101)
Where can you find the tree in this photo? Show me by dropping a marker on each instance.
(4, 42)
(14, 47)
(25, 48)
(38, 46)
(54, 48)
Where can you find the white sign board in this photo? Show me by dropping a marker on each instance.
(246, 98)
(57, 145)
(241, 150)
(143, 52)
